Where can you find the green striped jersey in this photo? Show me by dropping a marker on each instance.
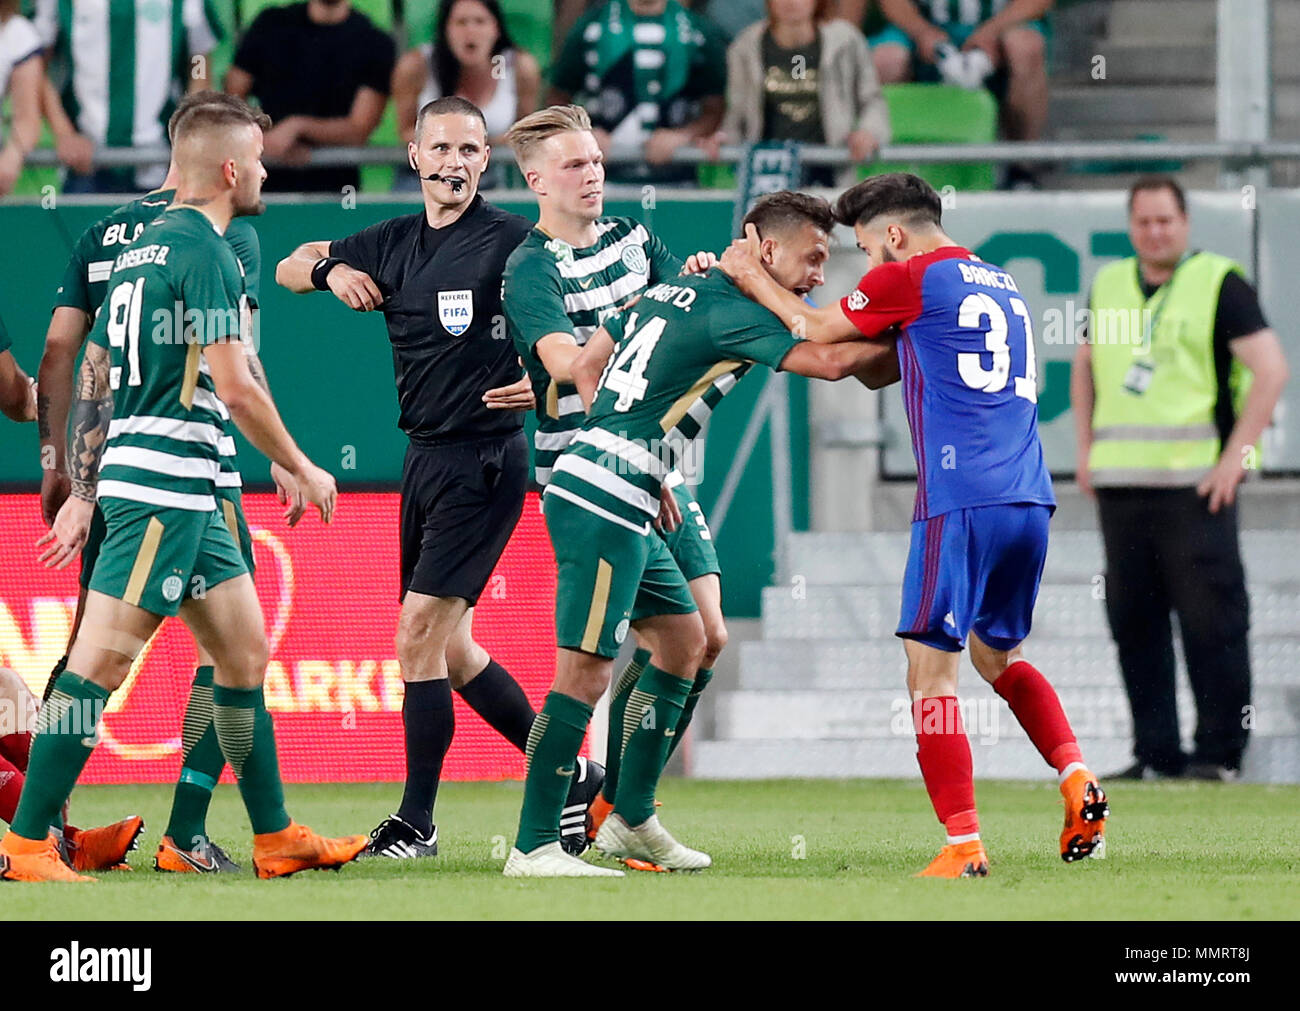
(677, 352)
(178, 288)
(85, 280)
(960, 12)
(127, 63)
(551, 287)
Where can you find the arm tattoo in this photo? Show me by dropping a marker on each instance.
(91, 416)
(43, 415)
(259, 373)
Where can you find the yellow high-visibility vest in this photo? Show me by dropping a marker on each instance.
(1153, 374)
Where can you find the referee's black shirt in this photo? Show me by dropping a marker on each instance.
(442, 304)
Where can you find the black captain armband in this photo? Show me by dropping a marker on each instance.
(320, 272)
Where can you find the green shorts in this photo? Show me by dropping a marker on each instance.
(608, 576)
(153, 558)
(691, 544)
(230, 504)
(923, 72)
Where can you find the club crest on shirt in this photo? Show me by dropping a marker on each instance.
(560, 249)
(456, 310)
(857, 300)
(634, 259)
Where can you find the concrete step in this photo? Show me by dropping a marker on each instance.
(1268, 760)
(879, 559)
(1140, 61)
(1063, 612)
(1193, 20)
(1094, 711)
(1151, 107)
(820, 665)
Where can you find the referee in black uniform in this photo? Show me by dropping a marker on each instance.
(436, 277)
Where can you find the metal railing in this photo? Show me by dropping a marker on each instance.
(1237, 153)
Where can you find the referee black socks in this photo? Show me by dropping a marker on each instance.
(497, 697)
(429, 723)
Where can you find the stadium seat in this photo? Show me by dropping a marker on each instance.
(941, 114)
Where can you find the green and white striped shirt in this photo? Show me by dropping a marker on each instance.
(85, 280)
(178, 288)
(127, 63)
(551, 287)
(686, 343)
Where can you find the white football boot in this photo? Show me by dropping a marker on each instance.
(649, 841)
(550, 861)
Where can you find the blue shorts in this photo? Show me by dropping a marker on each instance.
(974, 569)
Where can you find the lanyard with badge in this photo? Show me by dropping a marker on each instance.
(1138, 379)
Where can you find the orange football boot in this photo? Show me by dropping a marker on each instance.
(297, 848)
(1086, 811)
(959, 860)
(597, 811)
(104, 848)
(35, 860)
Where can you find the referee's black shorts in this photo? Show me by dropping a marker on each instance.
(460, 504)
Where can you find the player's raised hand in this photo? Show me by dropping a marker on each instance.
(317, 487)
(289, 494)
(698, 263)
(68, 534)
(742, 258)
(515, 397)
(354, 288)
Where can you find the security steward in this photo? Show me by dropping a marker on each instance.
(436, 277)
(1173, 388)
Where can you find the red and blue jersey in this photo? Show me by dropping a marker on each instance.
(970, 385)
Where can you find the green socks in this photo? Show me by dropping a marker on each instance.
(553, 746)
(702, 679)
(617, 707)
(201, 765)
(67, 731)
(654, 709)
(247, 740)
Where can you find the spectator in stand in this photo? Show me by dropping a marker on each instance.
(651, 74)
(804, 75)
(321, 71)
(1011, 33)
(472, 56)
(123, 78)
(22, 75)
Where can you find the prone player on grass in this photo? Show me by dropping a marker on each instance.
(984, 497)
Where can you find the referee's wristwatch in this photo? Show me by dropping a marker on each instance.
(320, 272)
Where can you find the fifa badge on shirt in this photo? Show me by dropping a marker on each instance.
(456, 310)
(857, 300)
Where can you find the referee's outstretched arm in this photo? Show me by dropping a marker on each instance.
(311, 268)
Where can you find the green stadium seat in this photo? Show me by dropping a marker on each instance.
(941, 114)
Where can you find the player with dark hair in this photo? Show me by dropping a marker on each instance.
(984, 497)
(185, 846)
(146, 443)
(436, 277)
(640, 374)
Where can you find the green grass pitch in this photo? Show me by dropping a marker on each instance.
(781, 849)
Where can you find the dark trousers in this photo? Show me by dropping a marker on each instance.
(1166, 552)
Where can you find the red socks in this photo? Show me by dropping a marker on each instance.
(1034, 703)
(11, 788)
(17, 748)
(943, 752)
